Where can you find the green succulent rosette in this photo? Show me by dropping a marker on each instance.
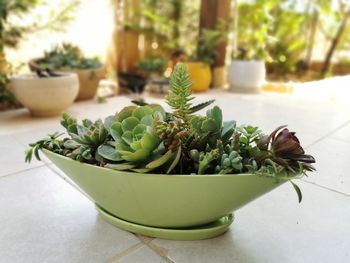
(133, 132)
(134, 140)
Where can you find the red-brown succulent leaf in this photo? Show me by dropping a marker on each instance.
(285, 150)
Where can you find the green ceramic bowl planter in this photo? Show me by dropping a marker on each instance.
(173, 175)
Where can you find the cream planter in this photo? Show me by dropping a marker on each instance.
(89, 79)
(246, 75)
(45, 96)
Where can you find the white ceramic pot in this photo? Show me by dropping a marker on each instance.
(246, 75)
(45, 96)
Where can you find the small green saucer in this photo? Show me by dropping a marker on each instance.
(201, 232)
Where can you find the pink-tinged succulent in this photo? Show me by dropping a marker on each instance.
(283, 147)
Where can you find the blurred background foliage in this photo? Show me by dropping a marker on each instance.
(14, 27)
(299, 40)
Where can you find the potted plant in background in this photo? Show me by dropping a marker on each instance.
(173, 175)
(199, 66)
(69, 58)
(247, 70)
(45, 93)
(153, 68)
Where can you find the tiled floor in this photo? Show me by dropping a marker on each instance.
(44, 218)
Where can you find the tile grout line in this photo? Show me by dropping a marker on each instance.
(24, 170)
(328, 134)
(67, 181)
(163, 253)
(126, 252)
(326, 188)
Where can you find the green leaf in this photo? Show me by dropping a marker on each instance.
(139, 129)
(128, 137)
(125, 113)
(109, 153)
(139, 102)
(227, 131)
(36, 152)
(209, 125)
(109, 121)
(160, 161)
(130, 123)
(142, 111)
(141, 170)
(228, 126)
(121, 167)
(216, 114)
(137, 156)
(147, 120)
(149, 141)
(200, 106)
(71, 144)
(116, 131)
(196, 122)
(176, 160)
(298, 191)
(29, 155)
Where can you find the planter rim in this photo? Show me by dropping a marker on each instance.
(31, 77)
(197, 176)
(35, 62)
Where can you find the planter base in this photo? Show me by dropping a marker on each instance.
(196, 233)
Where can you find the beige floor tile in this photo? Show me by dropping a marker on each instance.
(12, 155)
(332, 164)
(275, 228)
(44, 219)
(142, 255)
(342, 133)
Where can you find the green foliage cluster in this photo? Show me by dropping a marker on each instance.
(207, 41)
(152, 65)
(286, 32)
(67, 56)
(147, 138)
(169, 23)
(253, 30)
(6, 97)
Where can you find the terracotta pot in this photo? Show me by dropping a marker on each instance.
(45, 96)
(88, 78)
(200, 75)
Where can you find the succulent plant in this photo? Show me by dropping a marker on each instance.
(67, 56)
(135, 140)
(230, 163)
(144, 137)
(133, 132)
(51, 143)
(85, 138)
(283, 148)
(152, 65)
